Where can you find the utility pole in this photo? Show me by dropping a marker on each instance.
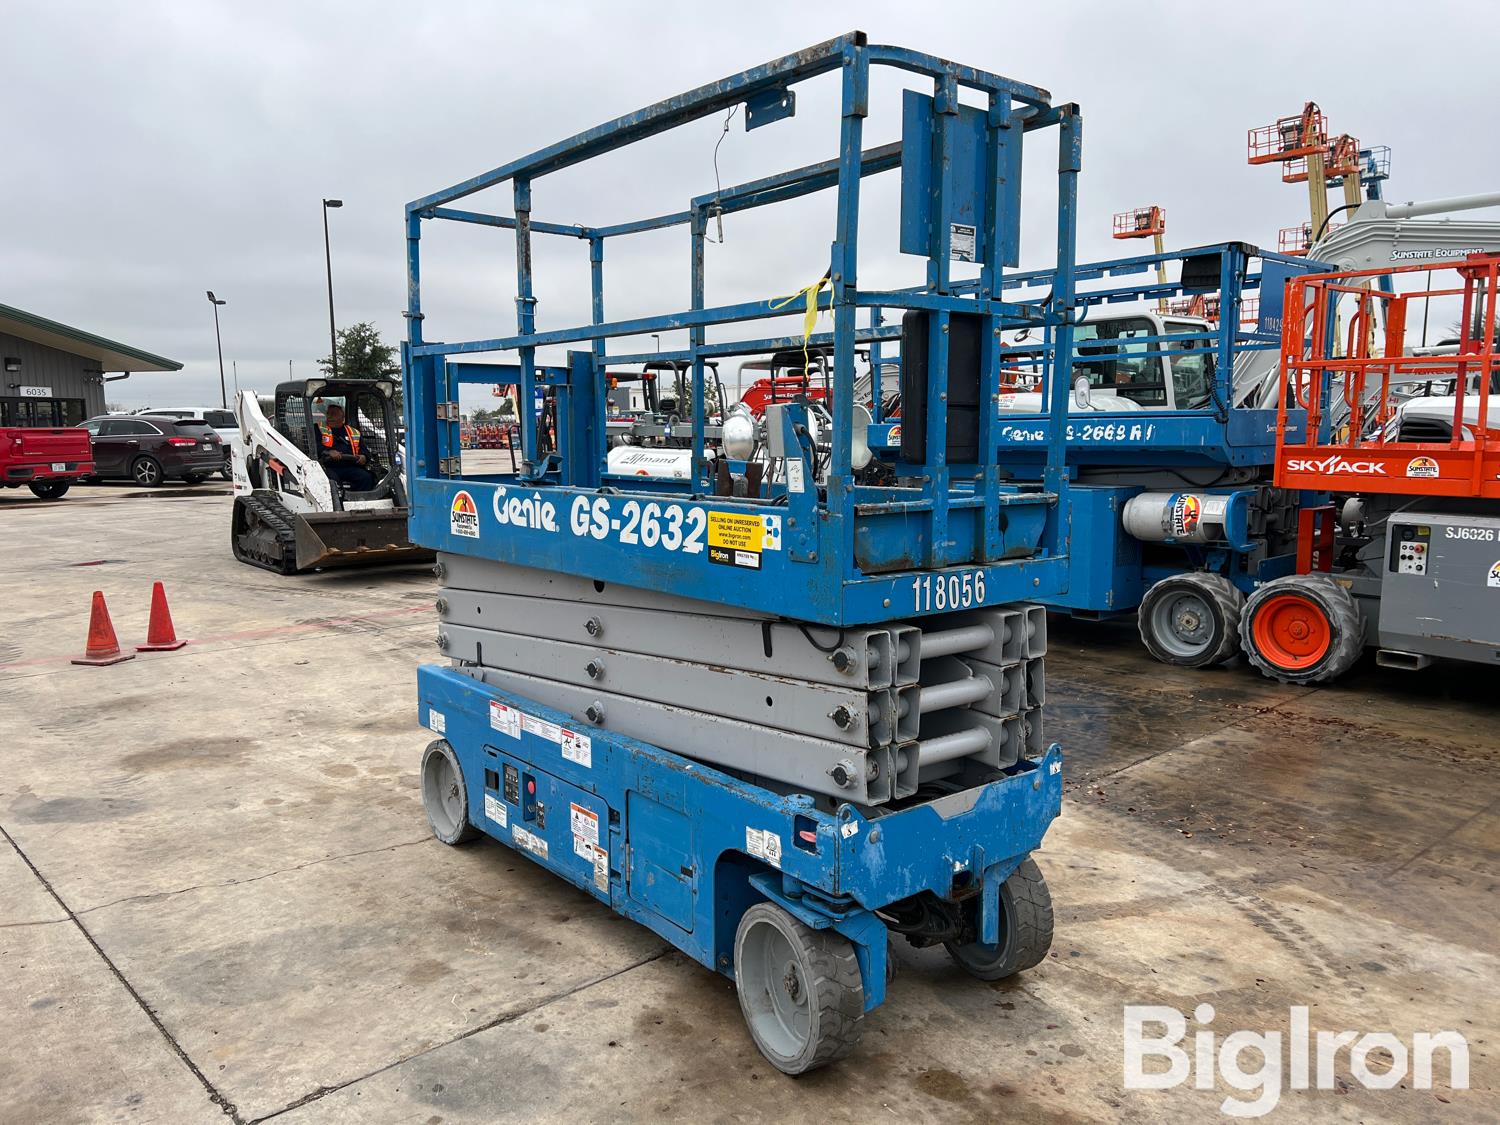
(223, 393)
(333, 336)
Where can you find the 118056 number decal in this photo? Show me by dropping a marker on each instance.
(936, 592)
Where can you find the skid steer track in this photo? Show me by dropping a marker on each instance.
(262, 534)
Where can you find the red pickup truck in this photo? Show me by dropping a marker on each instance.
(46, 461)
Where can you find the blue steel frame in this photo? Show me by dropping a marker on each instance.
(851, 556)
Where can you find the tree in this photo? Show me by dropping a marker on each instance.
(363, 355)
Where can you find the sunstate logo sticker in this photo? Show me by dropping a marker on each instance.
(463, 518)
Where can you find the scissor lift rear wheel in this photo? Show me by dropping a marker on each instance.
(799, 988)
(1025, 928)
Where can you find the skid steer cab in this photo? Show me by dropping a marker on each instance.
(311, 494)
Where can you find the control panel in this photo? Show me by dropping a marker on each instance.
(1410, 546)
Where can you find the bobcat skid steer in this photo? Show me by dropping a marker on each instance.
(289, 515)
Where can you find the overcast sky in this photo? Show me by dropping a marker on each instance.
(154, 150)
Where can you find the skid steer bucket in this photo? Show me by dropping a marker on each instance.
(355, 539)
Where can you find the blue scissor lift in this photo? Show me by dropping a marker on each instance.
(1171, 443)
(609, 637)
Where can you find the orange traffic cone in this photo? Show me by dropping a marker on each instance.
(102, 647)
(160, 636)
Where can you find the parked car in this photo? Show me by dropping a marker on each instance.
(47, 461)
(152, 448)
(225, 424)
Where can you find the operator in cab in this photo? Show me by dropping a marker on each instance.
(340, 454)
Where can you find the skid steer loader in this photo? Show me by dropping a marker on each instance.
(290, 515)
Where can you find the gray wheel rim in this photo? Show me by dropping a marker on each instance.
(442, 794)
(1183, 624)
(145, 472)
(775, 987)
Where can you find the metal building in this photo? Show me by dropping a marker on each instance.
(54, 375)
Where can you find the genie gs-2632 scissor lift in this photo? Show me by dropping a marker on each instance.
(775, 716)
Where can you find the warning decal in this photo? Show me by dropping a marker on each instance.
(585, 825)
(494, 809)
(463, 518)
(530, 841)
(763, 844)
(963, 238)
(577, 748)
(506, 720)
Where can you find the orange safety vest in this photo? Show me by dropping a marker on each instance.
(325, 433)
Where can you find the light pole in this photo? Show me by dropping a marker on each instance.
(333, 337)
(223, 394)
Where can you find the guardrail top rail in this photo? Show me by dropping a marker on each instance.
(1344, 356)
(827, 545)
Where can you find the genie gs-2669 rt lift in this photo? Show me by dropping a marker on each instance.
(775, 724)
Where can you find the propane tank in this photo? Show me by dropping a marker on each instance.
(1187, 517)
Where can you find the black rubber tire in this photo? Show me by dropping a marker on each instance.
(444, 795)
(50, 489)
(1344, 616)
(261, 534)
(147, 472)
(1025, 928)
(1191, 620)
(821, 967)
(195, 478)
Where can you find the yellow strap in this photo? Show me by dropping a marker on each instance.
(809, 319)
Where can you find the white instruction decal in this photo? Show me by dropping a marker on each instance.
(506, 720)
(964, 238)
(849, 828)
(494, 809)
(541, 728)
(529, 841)
(601, 869)
(795, 477)
(437, 721)
(578, 748)
(585, 824)
(764, 844)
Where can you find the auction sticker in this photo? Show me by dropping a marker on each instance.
(738, 539)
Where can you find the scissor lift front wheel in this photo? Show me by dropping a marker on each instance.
(444, 795)
(800, 989)
(1025, 928)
